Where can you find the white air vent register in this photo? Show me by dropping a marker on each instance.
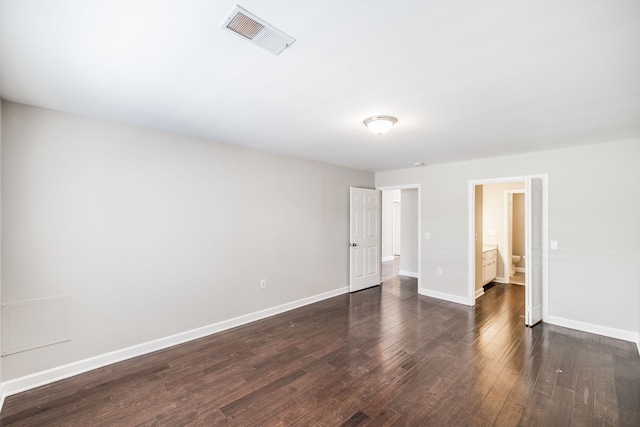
(257, 31)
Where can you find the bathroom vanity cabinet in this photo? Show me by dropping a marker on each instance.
(489, 265)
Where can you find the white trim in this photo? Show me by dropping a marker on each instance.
(500, 280)
(408, 273)
(479, 292)
(446, 297)
(388, 258)
(419, 188)
(520, 270)
(399, 187)
(637, 345)
(38, 379)
(594, 329)
(2, 396)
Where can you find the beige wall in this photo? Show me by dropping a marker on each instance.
(594, 206)
(154, 234)
(518, 227)
(479, 242)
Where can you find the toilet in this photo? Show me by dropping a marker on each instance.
(514, 260)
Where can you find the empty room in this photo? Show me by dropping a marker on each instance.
(319, 213)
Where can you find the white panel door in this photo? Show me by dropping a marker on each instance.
(365, 238)
(533, 244)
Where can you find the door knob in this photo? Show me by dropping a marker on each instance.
(353, 244)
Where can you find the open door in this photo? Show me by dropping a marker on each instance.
(365, 242)
(533, 250)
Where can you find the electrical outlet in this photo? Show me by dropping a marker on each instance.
(263, 283)
(439, 271)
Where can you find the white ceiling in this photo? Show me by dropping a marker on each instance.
(466, 78)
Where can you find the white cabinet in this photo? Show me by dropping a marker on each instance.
(489, 265)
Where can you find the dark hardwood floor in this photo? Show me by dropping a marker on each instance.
(383, 356)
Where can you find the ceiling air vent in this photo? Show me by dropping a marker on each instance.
(254, 29)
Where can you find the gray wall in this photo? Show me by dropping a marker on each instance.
(409, 232)
(388, 196)
(594, 206)
(153, 234)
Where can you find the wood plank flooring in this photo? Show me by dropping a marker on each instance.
(380, 357)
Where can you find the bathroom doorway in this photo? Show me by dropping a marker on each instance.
(488, 240)
(495, 232)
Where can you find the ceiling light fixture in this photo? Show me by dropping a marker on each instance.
(380, 124)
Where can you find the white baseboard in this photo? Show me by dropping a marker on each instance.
(408, 273)
(520, 270)
(388, 258)
(595, 329)
(637, 345)
(500, 280)
(479, 292)
(28, 382)
(447, 297)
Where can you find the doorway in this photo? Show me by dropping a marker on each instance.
(391, 221)
(494, 229)
(536, 236)
(401, 213)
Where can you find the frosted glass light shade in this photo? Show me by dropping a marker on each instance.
(380, 124)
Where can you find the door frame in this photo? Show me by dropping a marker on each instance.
(412, 187)
(545, 234)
